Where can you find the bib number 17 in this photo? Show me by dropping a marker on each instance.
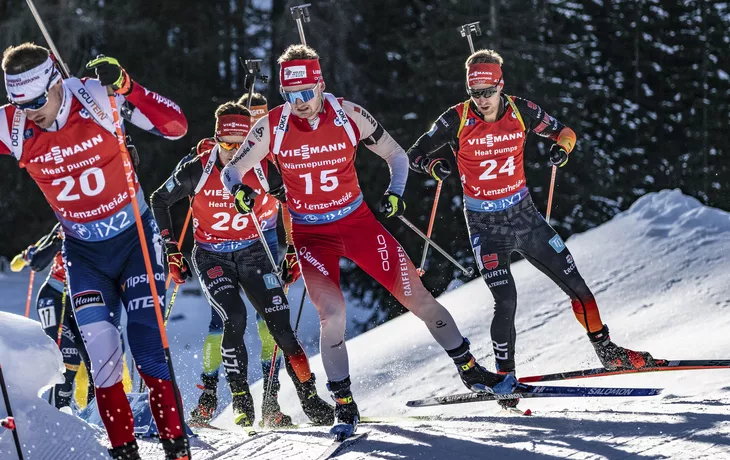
(507, 168)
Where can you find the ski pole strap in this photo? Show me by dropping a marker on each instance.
(516, 111)
(464, 117)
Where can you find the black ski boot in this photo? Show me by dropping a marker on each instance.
(271, 414)
(477, 378)
(208, 402)
(176, 449)
(614, 357)
(127, 451)
(243, 408)
(346, 414)
(314, 407)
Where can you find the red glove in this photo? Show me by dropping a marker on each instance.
(290, 268)
(176, 263)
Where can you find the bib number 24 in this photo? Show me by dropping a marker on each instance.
(507, 168)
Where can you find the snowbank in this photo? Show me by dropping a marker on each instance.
(32, 363)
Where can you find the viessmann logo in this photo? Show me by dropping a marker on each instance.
(307, 150)
(490, 139)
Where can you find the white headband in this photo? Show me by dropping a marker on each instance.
(31, 83)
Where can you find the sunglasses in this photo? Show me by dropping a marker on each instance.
(229, 145)
(486, 92)
(305, 95)
(37, 103)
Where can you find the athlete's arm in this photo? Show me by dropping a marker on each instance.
(443, 132)
(152, 112)
(543, 124)
(179, 185)
(254, 149)
(381, 143)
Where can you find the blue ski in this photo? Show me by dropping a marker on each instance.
(529, 391)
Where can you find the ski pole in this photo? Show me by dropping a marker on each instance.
(9, 422)
(30, 293)
(550, 195)
(467, 271)
(129, 174)
(63, 314)
(300, 13)
(420, 269)
(301, 305)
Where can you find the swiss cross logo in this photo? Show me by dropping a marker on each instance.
(490, 261)
(215, 272)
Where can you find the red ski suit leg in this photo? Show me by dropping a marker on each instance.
(362, 239)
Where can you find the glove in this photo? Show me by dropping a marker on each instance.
(558, 155)
(290, 268)
(176, 263)
(110, 73)
(437, 168)
(243, 197)
(19, 262)
(392, 205)
(279, 193)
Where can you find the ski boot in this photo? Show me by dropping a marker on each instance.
(127, 451)
(318, 411)
(176, 449)
(271, 414)
(508, 404)
(243, 408)
(208, 402)
(614, 357)
(346, 416)
(477, 378)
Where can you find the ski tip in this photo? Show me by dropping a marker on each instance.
(527, 412)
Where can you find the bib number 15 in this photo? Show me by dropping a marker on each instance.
(507, 168)
(326, 180)
(91, 183)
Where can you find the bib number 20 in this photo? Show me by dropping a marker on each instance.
(91, 183)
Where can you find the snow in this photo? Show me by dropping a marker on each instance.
(659, 273)
(31, 363)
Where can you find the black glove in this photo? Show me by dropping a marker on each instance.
(392, 205)
(279, 193)
(243, 197)
(110, 73)
(558, 155)
(438, 168)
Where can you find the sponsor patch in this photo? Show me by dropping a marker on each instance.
(28, 133)
(295, 72)
(270, 281)
(557, 243)
(169, 185)
(215, 272)
(89, 298)
(490, 261)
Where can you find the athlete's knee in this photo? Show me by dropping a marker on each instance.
(334, 322)
(103, 343)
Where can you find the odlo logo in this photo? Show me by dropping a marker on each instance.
(383, 251)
